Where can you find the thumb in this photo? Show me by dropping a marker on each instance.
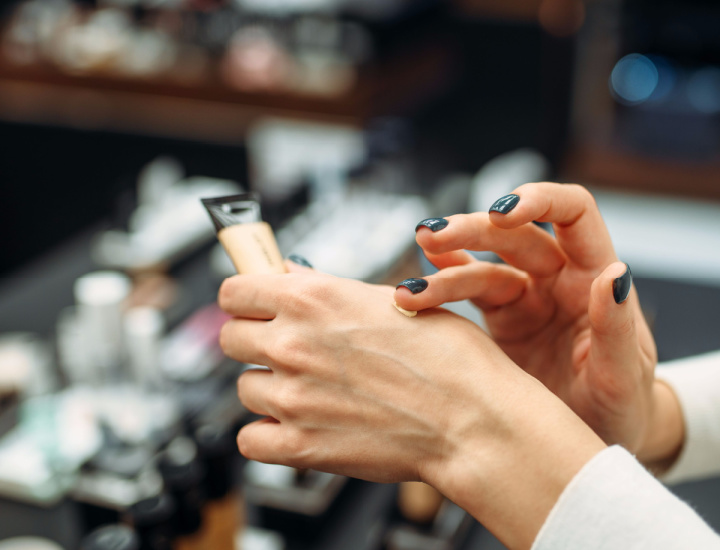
(612, 310)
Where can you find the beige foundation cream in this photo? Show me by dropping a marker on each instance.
(404, 311)
(247, 239)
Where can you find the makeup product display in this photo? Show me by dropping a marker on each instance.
(316, 50)
(379, 240)
(247, 239)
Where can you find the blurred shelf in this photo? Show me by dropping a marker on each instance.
(210, 110)
(603, 165)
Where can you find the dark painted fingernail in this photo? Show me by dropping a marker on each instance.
(505, 204)
(294, 258)
(622, 286)
(434, 224)
(414, 285)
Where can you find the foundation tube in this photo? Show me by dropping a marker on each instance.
(247, 239)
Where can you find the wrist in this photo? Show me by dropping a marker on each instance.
(511, 481)
(666, 430)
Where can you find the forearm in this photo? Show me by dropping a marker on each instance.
(666, 431)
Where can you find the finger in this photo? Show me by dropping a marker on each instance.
(488, 285)
(254, 389)
(449, 259)
(246, 341)
(273, 442)
(258, 440)
(613, 311)
(528, 247)
(252, 296)
(579, 227)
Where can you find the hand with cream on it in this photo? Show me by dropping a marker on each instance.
(553, 308)
(355, 388)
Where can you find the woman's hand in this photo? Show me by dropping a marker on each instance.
(356, 388)
(563, 307)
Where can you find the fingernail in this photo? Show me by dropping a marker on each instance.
(505, 204)
(434, 224)
(622, 285)
(414, 285)
(294, 258)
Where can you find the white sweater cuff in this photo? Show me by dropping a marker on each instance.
(614, 503)
(696, 382)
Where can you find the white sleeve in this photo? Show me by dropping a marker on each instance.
(614, 503)
(696, 382)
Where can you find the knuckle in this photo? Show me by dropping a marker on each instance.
(225, 337)
(245, 445)
(225, 293)
(289, 401)
(296, 449)
(242, 386)
(584, 194)
(314, 294)
(288, 349)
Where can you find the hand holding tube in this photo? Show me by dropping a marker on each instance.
(356, 389)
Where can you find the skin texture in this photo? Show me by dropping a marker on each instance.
(550, 307)
(356, 388)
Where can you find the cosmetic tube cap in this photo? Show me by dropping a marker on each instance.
(233, 209)
(112, 537)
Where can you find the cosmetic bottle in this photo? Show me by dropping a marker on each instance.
(144, 329)
(152, 519)
(74, 354)
(100, 298)
(183, 476)
(111, 537)
(223, 513)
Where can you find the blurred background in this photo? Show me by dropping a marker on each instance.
(352, 120)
